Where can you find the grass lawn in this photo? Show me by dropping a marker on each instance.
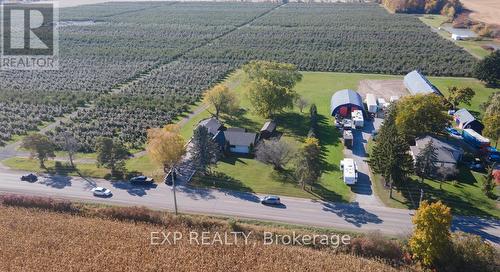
(464, 195)
(59, 168)
(471, 46)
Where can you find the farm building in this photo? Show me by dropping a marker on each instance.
(416, 83)
(464, 119)
(371, 103)
(448, 155)
(213, 125)
(344, 102)
(240, 141)
(268, 130)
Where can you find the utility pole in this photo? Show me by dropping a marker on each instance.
(173, 188)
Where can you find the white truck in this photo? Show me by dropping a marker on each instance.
(371, 103)
(349, 170)
(357, 118)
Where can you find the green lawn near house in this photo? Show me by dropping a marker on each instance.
(463, 195)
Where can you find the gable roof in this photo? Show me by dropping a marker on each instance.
(240, 138)
(446, 152)
(269, 126)
(345, 97)
(212, 124)
(416, 83)
(464, 116)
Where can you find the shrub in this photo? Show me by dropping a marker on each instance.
(45, 203)
(374, 245)
(471, 253)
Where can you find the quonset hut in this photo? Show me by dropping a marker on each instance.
(344, 102)
(416, 83)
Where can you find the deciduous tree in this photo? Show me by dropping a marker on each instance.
(301, 103)
(40, 147)
(488, 69)
(280, 74)
(204, 150)
(70, 145)
(221, 99)
(308, 164)
(430, 241)
(460, 95)
(275, 152)
(111, 154)
(268, 98)
(421, 114)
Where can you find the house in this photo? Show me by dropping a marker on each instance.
(464, 120)
(416, 83)
(268, 130)
(448, 155)
(344, 102)
(240, 141)
(213, 125)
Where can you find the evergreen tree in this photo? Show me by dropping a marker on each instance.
(390, 157)
(425, 165)
(308, 164)
(204, 151)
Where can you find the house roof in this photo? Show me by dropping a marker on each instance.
(345, 97)
(212, 124)
(446, 152)
(240, 138)
(417, 83)
(269, 126)
(464, 116)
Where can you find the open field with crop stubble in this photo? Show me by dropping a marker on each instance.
(31, 240)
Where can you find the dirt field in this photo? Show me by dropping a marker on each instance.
(382, 88)
(487, 11)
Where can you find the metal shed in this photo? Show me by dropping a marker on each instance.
(464, 119)
(343, 102)
(416, 83)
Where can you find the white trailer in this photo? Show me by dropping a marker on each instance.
(349, 170)
(371, 103)
(357, 118)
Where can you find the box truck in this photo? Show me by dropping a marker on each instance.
(475, 139)
(371, 103)
(349, 170)
(357, 118)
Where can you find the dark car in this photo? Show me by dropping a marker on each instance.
(169, 178)
(477, 165)
(140, 180)
(30, 177)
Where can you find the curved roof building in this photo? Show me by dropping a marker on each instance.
(344, 102)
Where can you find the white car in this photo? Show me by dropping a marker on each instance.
(100, 191)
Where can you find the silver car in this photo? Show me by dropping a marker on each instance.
(271, 200)
(100, 191)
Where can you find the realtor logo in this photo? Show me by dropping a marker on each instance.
(29, 36)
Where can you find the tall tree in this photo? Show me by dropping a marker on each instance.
(275, 152)
(71, 146)
(425, 163)
(421, 114)
(204, 150)
(308, 164)
(280, 74)
(111, 154)
(39, 146)
(268, 98)
(491, 119)
(221, 99)
(430, 241)
(460, 95)
(166, 147)
(488, 69)
(390, 156)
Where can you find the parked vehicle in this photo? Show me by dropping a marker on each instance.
(477, 165)
(475, 139)
(271, 200)
(29, 177)
(454, 133)
(140, 180)
(348, 138)
(493, 154)
(371, 103)
(100, 191)
(347, 124)
(349, 170)
(357, 118)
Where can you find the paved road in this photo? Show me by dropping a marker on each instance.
(349, 217)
